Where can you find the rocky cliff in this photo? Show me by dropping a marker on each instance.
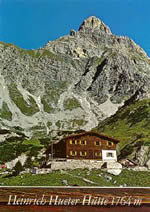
(72, 83)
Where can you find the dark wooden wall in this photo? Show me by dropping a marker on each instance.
(90, 147)
(59, 150)
(63, 148)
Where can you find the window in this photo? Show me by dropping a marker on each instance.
(76, 141)
(97, 143)
(83, 153)
(73, 141)
(73, 153)
(98, 154)
(82, 142)
(109, 143)
(110, 154)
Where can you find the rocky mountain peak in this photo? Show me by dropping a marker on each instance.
(72, 83)
(94, 24)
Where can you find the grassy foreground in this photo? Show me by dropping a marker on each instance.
(79, 177)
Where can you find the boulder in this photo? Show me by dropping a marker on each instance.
(140, 168)
(109, 178)
(114, 171)
(64, 182)
(114, 168)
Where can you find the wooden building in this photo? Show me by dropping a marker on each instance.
(85, 145)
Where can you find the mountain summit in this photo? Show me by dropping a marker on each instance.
(94, 24)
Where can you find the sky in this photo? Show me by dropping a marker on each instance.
(30, 24)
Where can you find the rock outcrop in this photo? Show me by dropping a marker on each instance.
(11, 164)
(142, 155)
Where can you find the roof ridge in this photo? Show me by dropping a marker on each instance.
(92, 132)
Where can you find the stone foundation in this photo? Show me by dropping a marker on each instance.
(83, 164)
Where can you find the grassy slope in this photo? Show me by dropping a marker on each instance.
(32, 53)
(74, 177)
(130, 124)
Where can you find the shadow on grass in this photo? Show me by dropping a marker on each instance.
(14, 174)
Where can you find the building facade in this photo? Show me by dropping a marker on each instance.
(86, 145)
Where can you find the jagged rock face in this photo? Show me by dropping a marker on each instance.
(71, 83)
(142, 155)
(94, 24)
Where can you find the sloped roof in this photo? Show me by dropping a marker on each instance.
(101, 135)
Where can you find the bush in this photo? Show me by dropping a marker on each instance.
(18, 168)
(28, 163)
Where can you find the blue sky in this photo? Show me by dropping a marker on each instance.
(31, 23)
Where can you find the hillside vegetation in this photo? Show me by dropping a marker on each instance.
(131, 125)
